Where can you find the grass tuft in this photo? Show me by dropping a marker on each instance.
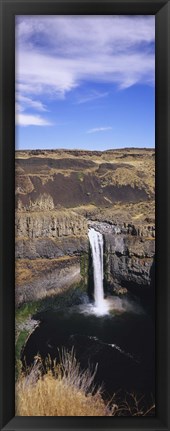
(64, 389)
(59, 390)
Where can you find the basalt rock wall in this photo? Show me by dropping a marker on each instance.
(48, 281)
(58, 193)
(46, 235)
(49, 225)
(48, 249)
(128, 256)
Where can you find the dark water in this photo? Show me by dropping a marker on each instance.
(122, 343)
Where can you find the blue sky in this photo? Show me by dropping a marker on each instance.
(85, 82)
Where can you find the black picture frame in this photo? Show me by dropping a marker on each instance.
(8, 10)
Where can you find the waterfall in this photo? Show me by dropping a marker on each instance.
(96, 244)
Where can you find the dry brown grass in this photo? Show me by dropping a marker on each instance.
(135, 213)
(141, 161)
(105, 155)
(27, 270)
(63, 390)
(133, 406)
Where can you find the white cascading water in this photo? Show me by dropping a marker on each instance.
(96, 244)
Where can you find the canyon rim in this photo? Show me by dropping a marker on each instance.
(85, 263)
(85, 216)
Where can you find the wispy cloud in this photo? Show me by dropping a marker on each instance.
(115, 49)
(57, 76)
(73, 35)
(30, 120)
(26, 102)
(56, 54)
(93, 95)
(99, 129)
(22, 118)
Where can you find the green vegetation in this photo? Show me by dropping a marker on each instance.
(20, 342)
(80, 176)
(26, 311)
(22, 331)
(62, 299)
(84, 267)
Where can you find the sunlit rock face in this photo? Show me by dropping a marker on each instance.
(60, 194)
(49, 224)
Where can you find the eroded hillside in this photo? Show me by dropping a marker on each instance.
(57, 194)
(70, 179)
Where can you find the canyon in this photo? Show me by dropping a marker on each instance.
(59, 195)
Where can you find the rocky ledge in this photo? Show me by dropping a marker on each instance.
(41, 278)
(147, 231)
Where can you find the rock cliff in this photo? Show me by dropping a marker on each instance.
(59, 194)
(53, 242)
(129, 255)
(41, 278)
(49, 224)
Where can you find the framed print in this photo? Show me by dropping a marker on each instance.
(84, 215)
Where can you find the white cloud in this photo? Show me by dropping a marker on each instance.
(55, 54)
(23, 118)
(78, 48)
(30, 120)
(99, 129)
(18, 107)
(42, 73)
(26, 102)
(86, 33)
(93, 95)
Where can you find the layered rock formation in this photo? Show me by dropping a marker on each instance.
(68, 179)
(49, 234)
(60, 193)
(128, 256)
(52, 224)
(54, 239)
(40, 278)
